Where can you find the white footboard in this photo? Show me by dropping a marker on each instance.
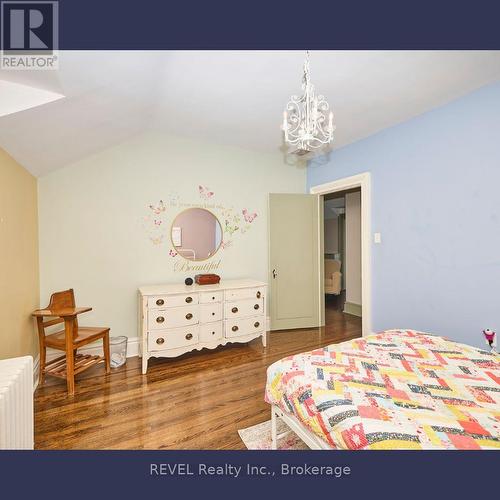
(312, 440)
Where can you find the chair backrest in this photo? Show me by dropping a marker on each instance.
(58, 300)
(331, 266)
(62, 300)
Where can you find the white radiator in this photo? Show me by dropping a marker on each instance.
(16, 403)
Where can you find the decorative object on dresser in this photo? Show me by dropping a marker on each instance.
(62, 307)
(175, 319)
(207, 279)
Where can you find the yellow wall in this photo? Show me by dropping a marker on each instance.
(19, 277)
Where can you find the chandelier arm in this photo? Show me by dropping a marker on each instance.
(294, 118)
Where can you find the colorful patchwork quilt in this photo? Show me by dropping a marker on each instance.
(399, 389)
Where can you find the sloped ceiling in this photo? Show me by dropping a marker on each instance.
(233, 98)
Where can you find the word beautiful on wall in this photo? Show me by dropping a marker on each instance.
(184, 266)
(157, 223)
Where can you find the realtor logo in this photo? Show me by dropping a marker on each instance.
(29, 35)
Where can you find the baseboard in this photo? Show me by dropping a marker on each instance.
(132, 350)
(354, 309)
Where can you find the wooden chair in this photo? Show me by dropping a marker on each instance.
(62, 307)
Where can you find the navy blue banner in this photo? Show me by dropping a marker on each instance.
(312, 475)
(278, 24)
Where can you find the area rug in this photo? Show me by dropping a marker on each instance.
(258, 437)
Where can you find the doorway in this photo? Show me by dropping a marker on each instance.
(342, 257)
(347, 294)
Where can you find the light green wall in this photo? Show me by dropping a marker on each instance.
(92, 213)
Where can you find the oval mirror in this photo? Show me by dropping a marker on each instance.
(196, 234)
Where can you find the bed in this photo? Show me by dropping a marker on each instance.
(399, 389)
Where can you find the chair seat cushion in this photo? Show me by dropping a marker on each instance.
(85, 335)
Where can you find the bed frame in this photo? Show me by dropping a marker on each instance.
(312, 440)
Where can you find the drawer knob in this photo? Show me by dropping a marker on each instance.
(189, 336)
(189, 316)
(256, 324)
(256, 306)
(234, 309)
(213, 314)
(160, 319)
(160, 302)
(213, 333)
(258, 294)
(234, 328)
(213, 298)
(160, 341)
(189, 299)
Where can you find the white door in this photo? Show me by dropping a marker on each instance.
(294, 260)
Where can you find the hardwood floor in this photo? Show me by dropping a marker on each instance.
(197, 401)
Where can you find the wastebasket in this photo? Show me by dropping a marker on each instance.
(118, 351)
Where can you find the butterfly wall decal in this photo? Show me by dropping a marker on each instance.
(159, 208)
(205, 193)
(248, 216)
(157, 240)
(229, 228)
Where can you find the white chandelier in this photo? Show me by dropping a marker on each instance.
(304, 119)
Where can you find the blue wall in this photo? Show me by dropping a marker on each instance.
(436, 201)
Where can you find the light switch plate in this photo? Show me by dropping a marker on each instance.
(377, 238)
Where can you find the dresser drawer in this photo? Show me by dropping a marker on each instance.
(211, 332)
(161, 301)
(243, 308)
(159, 319)
(171, 339)
(246, 326)
(210, 312)
(211, 297)
(245, 293)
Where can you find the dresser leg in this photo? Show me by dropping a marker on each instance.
(264, 339)
(144, 363)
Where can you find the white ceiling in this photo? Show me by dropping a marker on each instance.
(233, 97)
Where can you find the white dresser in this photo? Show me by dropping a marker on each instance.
(175, 319)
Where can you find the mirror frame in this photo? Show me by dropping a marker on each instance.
(172, 226)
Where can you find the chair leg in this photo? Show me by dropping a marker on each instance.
(105, 346)
(70, 371)
(43, 360)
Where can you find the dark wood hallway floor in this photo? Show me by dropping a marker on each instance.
(197, 401)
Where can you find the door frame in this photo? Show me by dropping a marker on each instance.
(362, 181)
